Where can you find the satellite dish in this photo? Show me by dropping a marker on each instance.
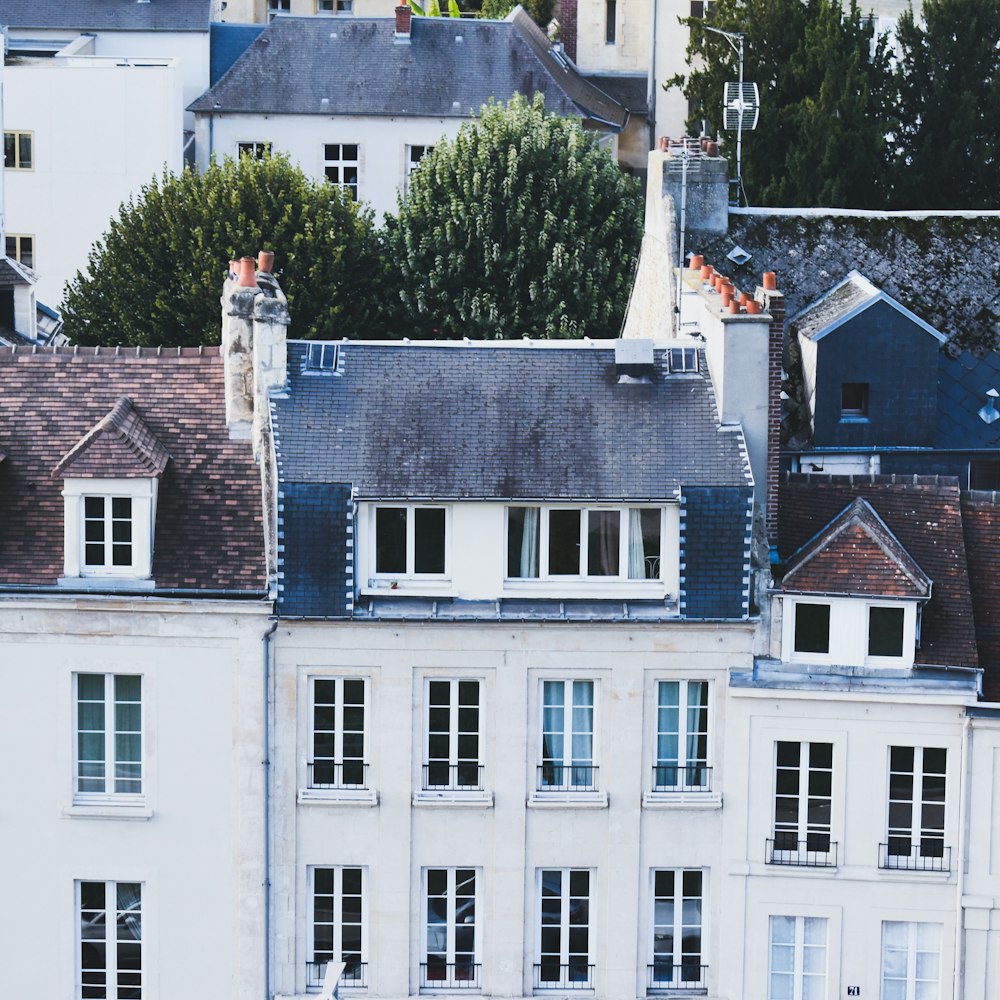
(740, 106)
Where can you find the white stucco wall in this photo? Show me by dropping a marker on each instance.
(255, 11)
(198, 854)
(630, 52)
(101, 130)
(382, 141)
(619, 838)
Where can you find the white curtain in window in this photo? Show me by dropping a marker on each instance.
(636, 552)
(529, 543)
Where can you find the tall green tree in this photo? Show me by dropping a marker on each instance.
(826, 92)
(949, 100)
(155, 276)
(521, 226)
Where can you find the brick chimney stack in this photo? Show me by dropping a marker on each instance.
(567, 15)
(773, 302)
(403, 15)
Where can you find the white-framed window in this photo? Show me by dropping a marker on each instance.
(915, 824)
(803, 798)
(564, 939)
(341, 164)
(812, 627)
(339, 745)
(255, 149)
(19, 150)
(797, 958)
(453, 740)
(451, 929)
(108, 736)
(108, 527)
(676, 946)
(852, 630)
(885, 630)
(109, 940)
(410, 540)
(681, 751)
(20, 248)
(602, 542)
(277, 7)
(911, 960)
(683, 360)
(414, 154)
(338, 924)
(567, 744)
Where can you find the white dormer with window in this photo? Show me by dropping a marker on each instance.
(110, 480)
(488, 550)
(853, 595)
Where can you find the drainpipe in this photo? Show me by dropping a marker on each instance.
(964, 804)
(266, 764)
(651, 85)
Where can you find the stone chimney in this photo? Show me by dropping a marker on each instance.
(255, 322)
(773, 303)
(706, 206)
(566, 12)
(403, 15)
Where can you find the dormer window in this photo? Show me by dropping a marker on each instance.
(110, 479)
(812, 628)
(854, 400)
(885, 631)
(410, 541)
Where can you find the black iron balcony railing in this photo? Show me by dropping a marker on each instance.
(442, 777)
(816, 851)
(682, 778)
(337, 774)
(354, 976)
(461, 975)
(662, 977)
(928, 855)
(567, 778)
(555, 976)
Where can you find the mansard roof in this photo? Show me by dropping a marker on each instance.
(447, 69)
(924, 515)
(99, 406)
(856, 553)
(108, 15)
(118, 446)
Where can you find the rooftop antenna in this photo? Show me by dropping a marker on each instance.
(686, 154)
(740, 106)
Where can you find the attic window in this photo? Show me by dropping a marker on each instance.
(812, 628)
(885, 631)
(321, 359)
(854, 400)
(683, 359)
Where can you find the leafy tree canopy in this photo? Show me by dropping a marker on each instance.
(521, 226)
(949, 101)
(540, 11)
(154, 277)
(826, 91)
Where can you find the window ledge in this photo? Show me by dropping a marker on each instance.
(463, 799)
(682, 800)
(568, 800)
(852, 418)
(338, 797)
(105, 583)
(108, 810)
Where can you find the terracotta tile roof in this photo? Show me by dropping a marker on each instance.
(118, 446)
(981, 520)
(856, 553)
(924, 513)
(209, 533)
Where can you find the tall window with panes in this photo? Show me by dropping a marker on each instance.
(109, 938)
(681, 763)
(338, 733)
(677, 914)
(453, 736)
(108, 735)
(450, 930)
(803, 796)
(567, 737)
(338, 922)
(915, 837)
(797, 958)
(911, 960)
(107, 534)
(340, 164)
(563, 929)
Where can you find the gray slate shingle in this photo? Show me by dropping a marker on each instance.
(107, 15)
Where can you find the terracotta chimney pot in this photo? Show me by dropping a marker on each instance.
(753, 307)
(265, 261)
(248, 276)
(770, 281)
(697, 262)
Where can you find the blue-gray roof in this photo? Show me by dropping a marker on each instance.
(963, 383)
(227, 42)
(107, 15)
(501, 422)
(447, 69)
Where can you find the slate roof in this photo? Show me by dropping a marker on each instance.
(448, 69)
(227, 42)
(13, 273)
(856, 553)
(981, 522)
(924, 513)
(632, 92)
(945, 269)
(962, 386)
(107, 15)
(501, 422)
(209, 534)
